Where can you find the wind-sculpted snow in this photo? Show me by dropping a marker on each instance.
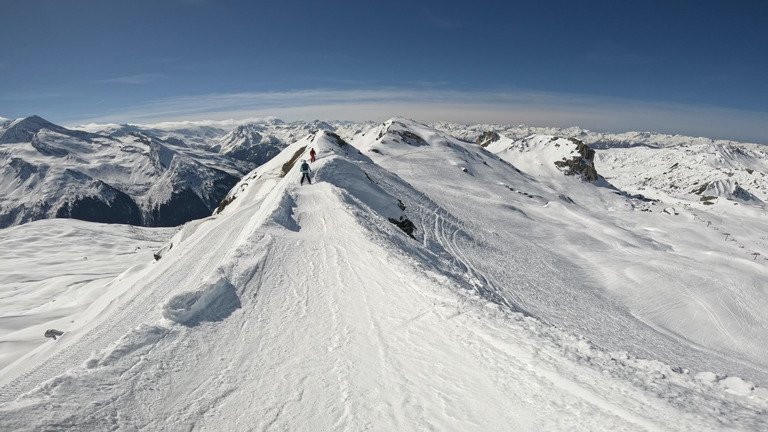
(525, 300)
(284, 215)
(213, 301)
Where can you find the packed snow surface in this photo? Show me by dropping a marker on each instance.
(523, 300)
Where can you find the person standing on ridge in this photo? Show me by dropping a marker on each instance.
(312, 155)
(305, 172)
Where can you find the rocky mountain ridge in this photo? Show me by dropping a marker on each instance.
(129, 177)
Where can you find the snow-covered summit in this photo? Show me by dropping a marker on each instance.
(25, 129)
(547, 155)
(340, 165)
(260, 142)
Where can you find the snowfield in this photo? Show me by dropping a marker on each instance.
(52, 270)
(522, 300)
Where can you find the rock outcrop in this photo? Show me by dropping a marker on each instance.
(487, 138)
(582, 165)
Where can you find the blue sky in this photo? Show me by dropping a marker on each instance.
(690, 67)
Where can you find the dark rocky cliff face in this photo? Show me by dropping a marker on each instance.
(487, 138)
(580, 165)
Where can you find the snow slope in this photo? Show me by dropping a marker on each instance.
(51, 271)
(308, 308)
(669, 281)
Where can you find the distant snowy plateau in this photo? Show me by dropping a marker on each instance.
(432, 277)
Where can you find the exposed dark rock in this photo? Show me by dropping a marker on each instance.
(339, 141)
(404, 224)
(160, 155)
(23, 168)
(288, 166)
(219, 188)
(161, 253)
(700, 190)
(583, 164)
(47, 149)
(487, 138)
(224, 203)
(411, 138)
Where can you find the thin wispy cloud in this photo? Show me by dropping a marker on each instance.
(499, 107)
(133, 79)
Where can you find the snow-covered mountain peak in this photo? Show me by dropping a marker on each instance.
(243, 135)
(338, 164)
(400, 135)
(546, 155)
(728, 189)
(25, 129)
(33, 123)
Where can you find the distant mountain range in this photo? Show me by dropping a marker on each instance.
(168, 175)
(129, 174)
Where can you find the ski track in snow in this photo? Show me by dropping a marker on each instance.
(540, 282)
(354, 358)
(306, 310)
